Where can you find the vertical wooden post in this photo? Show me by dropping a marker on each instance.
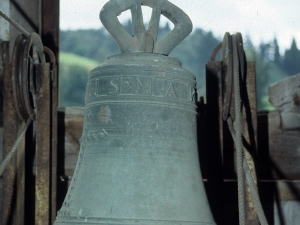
(43, 133)
(50, 25)
(54, 100)
(50, 38)
(20, 183)
(10, 122)
(250, 137)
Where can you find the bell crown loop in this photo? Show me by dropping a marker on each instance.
(143, 40)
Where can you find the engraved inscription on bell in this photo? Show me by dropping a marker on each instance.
(139, 86)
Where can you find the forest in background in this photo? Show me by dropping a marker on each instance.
(83, 50)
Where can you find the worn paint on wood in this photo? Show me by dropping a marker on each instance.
(10, 122)
(285, 97)
(284, 150)
(54, 103)
(250, 137)
(43, 157)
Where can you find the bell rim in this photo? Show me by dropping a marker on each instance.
(125, 221)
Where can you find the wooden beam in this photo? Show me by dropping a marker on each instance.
(50, 39)
(50, 25)
(285, 97)
(10, 126)
(249, 118)
(43, 143)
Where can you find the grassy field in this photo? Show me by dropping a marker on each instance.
(73, 71)
(70, 59)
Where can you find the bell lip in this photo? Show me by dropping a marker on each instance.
(127, 221)
(143, 56)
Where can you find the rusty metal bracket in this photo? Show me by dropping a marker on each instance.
(31, 94)
(27, 52)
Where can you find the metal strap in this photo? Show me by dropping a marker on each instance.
(14, 147)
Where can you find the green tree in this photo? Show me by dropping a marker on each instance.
(291, 61)
(267, 73)
(277, 56)
(194, 52)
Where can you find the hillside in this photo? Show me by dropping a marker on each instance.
(74, 70)
(82, 50)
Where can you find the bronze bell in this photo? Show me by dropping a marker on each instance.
(138, 162)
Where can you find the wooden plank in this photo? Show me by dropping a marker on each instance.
(279, 156)
(43, 157)
(285, 97)
(50, 25)
(27, 14)
(54, 103)
(71, 131)
(20, 182)
(4, 50)
(250, 137)
(50, 39)
(10, 122)
(284, 150)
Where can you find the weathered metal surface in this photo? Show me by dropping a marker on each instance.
(139, 131)
(71, 124)
(142, 40)
(285, 97)
(17, 73)
(27, 52)
(9, 136)
(43, 143)
(218, 190)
